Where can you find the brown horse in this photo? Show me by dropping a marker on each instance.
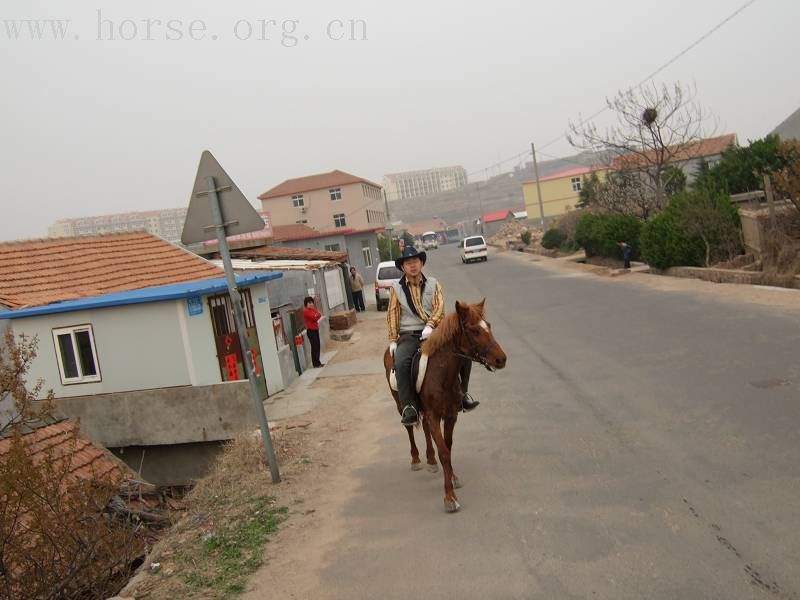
(462, 335)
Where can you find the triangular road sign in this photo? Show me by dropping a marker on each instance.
(237, 213)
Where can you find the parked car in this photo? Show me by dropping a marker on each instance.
(430, 241)
(386, 275)
(474, 248)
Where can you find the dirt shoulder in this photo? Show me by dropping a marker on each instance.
(779, 298)
(318, 452)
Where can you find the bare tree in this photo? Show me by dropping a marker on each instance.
(656, 127)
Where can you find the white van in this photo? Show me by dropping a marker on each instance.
(474, 248)
(430, 241)
(385, 276)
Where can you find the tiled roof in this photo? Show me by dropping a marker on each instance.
(281, 253)
(59, 441)
(684, 152)
(498, 215)
(38, 272)
(313, 182)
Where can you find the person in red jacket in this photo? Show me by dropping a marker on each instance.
(312, 317)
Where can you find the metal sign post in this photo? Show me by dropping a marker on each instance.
(211, 182)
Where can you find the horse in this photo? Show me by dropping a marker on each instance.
(462, 335)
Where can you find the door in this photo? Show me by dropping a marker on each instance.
(226, 338)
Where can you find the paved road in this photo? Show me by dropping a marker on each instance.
(640, 444)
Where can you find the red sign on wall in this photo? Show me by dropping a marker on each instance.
(231, 366)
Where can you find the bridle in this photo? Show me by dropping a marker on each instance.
(477, 358)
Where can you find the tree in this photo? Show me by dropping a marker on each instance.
(16, 358)
(711, 217)
(787, 178)
(656, 127)
(589, 188)
(742, 168)
(383, 248)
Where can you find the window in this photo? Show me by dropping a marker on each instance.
(339, 220)
(76, 354)
(336, 193)
(576, 184)
(366, 252)
(298, 200)
(301, 221)
(332, 247)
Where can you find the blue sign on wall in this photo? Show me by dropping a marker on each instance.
(195, 305)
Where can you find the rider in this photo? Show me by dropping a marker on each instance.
(416, 307)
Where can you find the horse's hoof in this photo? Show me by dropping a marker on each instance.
(433, 468)
(452, 506)
(417, 466)
(456, 482)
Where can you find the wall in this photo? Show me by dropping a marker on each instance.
(173, 415)
(356, 256)
(320, 208)
(558, 196)
(175, 464)
(138, 347)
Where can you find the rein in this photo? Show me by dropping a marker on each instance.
(480, 359)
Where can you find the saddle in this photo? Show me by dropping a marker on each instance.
(419, 366)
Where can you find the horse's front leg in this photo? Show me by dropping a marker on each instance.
(416, 463)
(449, 426)
(450, 500)
(430, 453)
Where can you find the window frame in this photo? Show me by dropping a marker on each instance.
(339, 220)
(577, 184)
(298, 201)
(335, 194)
(72, 330)
(333, 247)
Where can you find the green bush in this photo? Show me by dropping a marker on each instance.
(665, 244)
(598, 234)
(552, 238)
(696, 227)
(525, 236)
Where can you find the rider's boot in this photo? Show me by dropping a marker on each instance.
(468, 403)
(410, 415)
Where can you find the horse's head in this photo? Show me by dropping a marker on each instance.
(477, 340)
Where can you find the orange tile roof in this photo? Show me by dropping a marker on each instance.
(683, 152)
(38, 272)
(59, 441)
(313, 182)
(289, 232)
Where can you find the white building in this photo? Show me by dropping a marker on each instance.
(167, 223)
(413, 184)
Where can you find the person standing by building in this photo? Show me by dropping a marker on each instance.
(312, 317)
(357, 283)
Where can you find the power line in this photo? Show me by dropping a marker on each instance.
(660, 69)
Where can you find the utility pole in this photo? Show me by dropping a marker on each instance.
(538, 187)
(480, 199)
(388, 224)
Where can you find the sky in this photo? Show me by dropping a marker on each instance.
(113, 116)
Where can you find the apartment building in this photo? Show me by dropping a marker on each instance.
(167, 224)
(413, 184)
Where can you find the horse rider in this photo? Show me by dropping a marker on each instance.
(416, 307)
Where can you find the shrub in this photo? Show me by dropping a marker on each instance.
(598, 234)
(552, 238)
(525, 236)
(567, 223)
(696, 229)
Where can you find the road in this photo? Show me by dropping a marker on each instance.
(640, 444)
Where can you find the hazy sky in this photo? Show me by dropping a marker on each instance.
(100, 126)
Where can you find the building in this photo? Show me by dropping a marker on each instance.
(560, 191)
(327, 201)
(494, 221)
(137, 339)
(167, 223)
(413, 184)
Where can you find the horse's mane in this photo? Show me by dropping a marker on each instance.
(443, 335)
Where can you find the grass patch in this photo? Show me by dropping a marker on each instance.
(233, 551)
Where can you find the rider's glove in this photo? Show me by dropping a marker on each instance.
(392, 348)
(426, 333)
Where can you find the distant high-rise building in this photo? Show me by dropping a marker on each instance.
(167, 223)
(413, 184)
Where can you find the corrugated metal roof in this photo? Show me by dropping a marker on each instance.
(141, 296)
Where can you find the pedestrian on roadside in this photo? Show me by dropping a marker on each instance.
(358, 289)
(312, 317)
(626, 253)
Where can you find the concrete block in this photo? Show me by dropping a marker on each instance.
(342, 335)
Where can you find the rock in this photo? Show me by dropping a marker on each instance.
(341, 335)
